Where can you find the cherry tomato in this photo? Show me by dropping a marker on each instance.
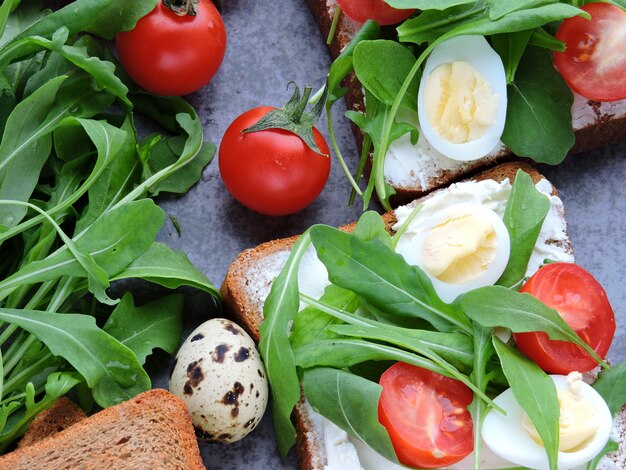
(426, 416)
(594, 63)
(174, 55)
(271, 171)
(377, 10)
(582, 303)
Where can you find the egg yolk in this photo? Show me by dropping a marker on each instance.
(577, 422)
(459, 102)
(460, 248)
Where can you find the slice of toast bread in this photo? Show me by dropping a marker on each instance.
(152, 430)
(596, 124)
(61, 415)
(249, 281)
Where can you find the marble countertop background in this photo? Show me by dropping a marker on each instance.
(272, 42)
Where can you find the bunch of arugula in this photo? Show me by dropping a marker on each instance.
(379, 309)
(75, 212)
(539, 100)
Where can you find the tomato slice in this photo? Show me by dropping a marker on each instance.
(594, 63)
(426, 416)
(583, 304)
(377, 10)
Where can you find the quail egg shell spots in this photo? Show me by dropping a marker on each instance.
(219, 374)
(463, 246)
(507, 438)
(475, 51)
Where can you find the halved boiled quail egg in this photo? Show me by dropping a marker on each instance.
(585, 425)
(463, 247)
(462, 98)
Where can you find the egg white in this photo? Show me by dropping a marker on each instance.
(476, 51)
(507, 438)
(411, 250)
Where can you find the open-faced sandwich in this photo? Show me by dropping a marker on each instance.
(461, 84)
(424, 337)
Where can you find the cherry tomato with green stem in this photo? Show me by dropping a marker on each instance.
(175, 49)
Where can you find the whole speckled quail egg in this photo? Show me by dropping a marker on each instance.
(219, 374)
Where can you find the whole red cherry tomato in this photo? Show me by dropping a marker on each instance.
(426, 416)
(582, 303)
(272, 171)
(174, 54)
(594, 62)
(377, 10)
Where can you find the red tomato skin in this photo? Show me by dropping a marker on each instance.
(273, 171)
(583, 304)
(173, 55)
(581, 65)
(377, 10)
(412, 395)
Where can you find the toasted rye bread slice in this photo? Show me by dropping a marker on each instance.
(249, 281)
(61, 415)
(152, 430)
(596, 124)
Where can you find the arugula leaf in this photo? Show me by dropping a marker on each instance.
(535, 392)
(371, 227)
(110, 368)
(280, 309)
(103, 18)
(117, 239)
(312, 324)
(426, 4)
(611, 385)
(483, 351)
(157, 324)
(510, 47)
(610, 446)
(456, 348)
(539, 105)
(382, 66)
(166, 267)
(500, 8)
(382, 277)
(494, 306)
(525, 212)
(350, 402)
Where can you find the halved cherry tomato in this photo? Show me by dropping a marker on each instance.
(272, 171)
(168, 54)
(426, 416)
(582, 303)
(377, 10)
(594, 63)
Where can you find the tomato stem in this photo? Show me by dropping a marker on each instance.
(182, 7)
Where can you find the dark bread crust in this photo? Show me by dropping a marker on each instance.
(606, 129)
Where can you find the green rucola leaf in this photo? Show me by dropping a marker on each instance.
(612, 386)
(350, 402)
(539, 105)
(382, 277)
(536, 394)
(494, 306)
(382, 66)
(110, 368)
(525, 212)
(166, 267)
(157, 324)
(279, 311)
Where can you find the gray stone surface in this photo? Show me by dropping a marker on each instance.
(272, 42)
